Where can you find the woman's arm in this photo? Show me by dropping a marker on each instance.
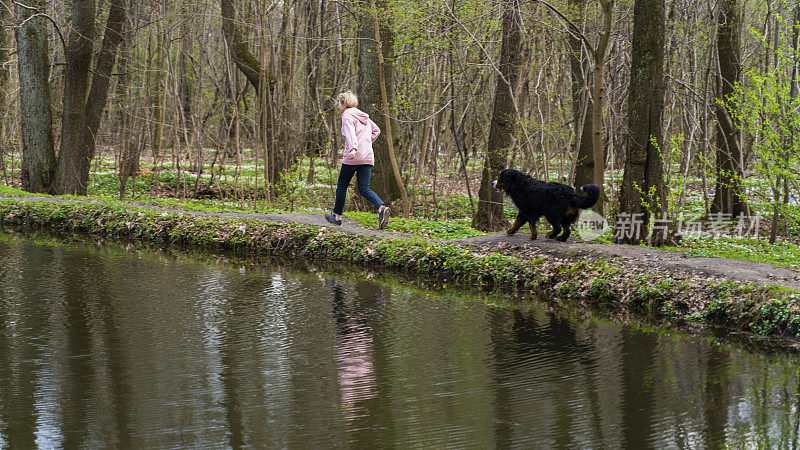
(375, 130)
(349, 132)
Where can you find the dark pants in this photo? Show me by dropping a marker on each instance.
(362, 180)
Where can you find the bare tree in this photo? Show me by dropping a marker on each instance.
(83, 111)
(598, 96)
(729, 196)
(581, 101)
(489, 215)
(237, 46)
(398, 180)
(371, 93)
(6, 13)
(642, 191)
(598, 53)
(73, 160)
(38, 151)
(131, 146)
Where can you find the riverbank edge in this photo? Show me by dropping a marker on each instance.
(616, 288)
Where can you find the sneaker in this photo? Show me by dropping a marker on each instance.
(332, 219)
(383, 217)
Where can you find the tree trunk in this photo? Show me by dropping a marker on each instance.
(598, 95)
(398, 181)
(581, 104)
(73, 162)
(584, 161)
(5, 72)
(38, 151)
(101, 78)
(82, 111)
(643, 187)
(241, 55)
(489, 215)
(729, 197)
(369, 91)
(186, 81)
(159, 98)
(258, 77)
(229, 118)
(129, 151)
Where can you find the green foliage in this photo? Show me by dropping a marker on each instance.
(601, 291)
(649, 295)
(784, 254)
(442, 207)
(434, 229)
(568, 289)
(767, 108)
(5, 190)
(763, 311)
(777, 317)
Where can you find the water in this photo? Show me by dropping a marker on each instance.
(103, 348)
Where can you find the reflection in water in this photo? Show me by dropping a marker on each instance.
(354, 349)
(103, 349)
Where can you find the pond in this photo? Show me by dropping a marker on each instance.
(101, 347)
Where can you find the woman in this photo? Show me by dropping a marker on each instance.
(359, 134)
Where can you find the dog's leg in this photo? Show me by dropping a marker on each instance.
(556, 227)
(534, 233)
(520, 221)
(565, 223)
(555, 232)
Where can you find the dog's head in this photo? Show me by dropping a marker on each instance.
(506, 179)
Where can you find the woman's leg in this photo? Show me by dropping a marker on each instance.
(345, 175)
(364, 172)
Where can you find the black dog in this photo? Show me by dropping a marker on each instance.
(558, 203)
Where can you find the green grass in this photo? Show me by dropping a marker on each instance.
(5, 190)
(782, 254)
(417, 228)
(207, 205)
(443, 216)
(431, 229)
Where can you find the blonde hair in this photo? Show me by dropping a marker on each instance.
(348, 99)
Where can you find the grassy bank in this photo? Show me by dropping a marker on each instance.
(615, 288)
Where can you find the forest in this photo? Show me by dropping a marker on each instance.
(676, 109)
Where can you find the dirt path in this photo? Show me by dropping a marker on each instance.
(648, 258)
(521, 245)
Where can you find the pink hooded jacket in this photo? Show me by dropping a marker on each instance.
(359, 132)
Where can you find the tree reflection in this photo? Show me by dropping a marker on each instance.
(127, 352)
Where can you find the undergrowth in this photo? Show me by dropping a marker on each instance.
(782, 253)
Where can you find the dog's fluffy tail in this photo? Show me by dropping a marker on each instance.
(592, 194)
